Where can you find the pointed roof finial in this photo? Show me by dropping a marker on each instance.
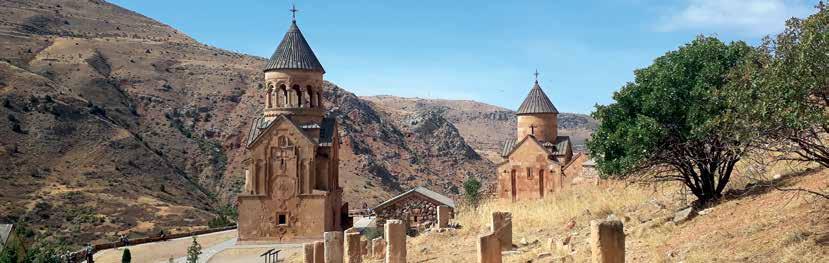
(536, 76)
(293, 11)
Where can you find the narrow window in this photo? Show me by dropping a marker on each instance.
(282, 219)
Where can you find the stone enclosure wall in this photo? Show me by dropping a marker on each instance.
(414, 210)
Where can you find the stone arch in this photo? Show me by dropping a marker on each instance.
(282, 96)
(312, 101)
(297, 96)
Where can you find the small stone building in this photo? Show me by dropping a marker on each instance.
(416, 207)
(538, 161)
(291, 166)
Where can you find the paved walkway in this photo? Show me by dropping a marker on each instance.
(164, 250)
(218, 247)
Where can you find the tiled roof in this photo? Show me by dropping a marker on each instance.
(423, 191)
(536, 102)
(561, 145)
(508, 145)
(259, 124)
(5, 232)
(294, 53)
(327, 129)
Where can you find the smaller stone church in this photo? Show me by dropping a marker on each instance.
(538, 161)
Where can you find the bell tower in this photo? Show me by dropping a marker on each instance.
(293, 80)
(537, 116)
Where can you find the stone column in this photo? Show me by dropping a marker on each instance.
(395, 241)
(489, 249)
(333, 247)
(309, 253)
(353, 252)
(607, 239)
(443, 216)
(248, 182)
(378, 247)
(502, 227)
(319, 252)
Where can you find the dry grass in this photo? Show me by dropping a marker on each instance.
(758, 226)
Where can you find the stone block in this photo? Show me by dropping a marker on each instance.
(365, 247)
(353, 250)
(395, 241)
(319, 252)
(502, 228)
(309, 253)
(333, 246)
(378, 247)
(607, 239)
(443, 216)
(489, 249)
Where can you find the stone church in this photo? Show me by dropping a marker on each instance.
(538, 161)
(291, 176)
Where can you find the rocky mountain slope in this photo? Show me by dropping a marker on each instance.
(485, 127)
(114, 122)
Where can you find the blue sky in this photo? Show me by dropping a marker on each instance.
(477, 50)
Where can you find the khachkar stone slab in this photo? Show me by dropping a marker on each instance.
(319, 252)
(333, 247)
(378, 247)
(607, 239)
(353, 250)
(502, 228)
(489, 249)
(395, 241)
(364, 247)
(443, 216)
(309, 252)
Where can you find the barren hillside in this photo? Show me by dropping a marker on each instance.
(485, 127)
(112, 121)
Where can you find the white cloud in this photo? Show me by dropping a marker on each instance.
(745, 17)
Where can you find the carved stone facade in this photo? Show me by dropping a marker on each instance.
(416, 207)
(291, 180)
(539, 161)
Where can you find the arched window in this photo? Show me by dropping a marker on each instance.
(283, 96)
(319, 99)
(297, 96)
(313, 99)
(529, 173)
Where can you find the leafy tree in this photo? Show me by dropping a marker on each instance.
(680, 119)
(127, 256)
(795, 81)
(193, 251)
(472, 191)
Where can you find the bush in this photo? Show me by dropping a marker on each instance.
(472, 188)
(193, 251)
(127, 257)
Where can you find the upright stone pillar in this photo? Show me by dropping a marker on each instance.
(395, 241)
(319, 252)
(489, 249)
(502, 227)
(333, 247)
(353, 252)
(309, 252)
(365, 247)
(443, 216)
(607, 239)
(378, 247)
